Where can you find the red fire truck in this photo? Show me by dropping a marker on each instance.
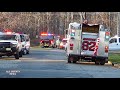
(47, 40)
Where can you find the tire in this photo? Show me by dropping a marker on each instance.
(20, 54)
(96, 62)
(24, 52)
(69, 59)
(28, 52)
(102, 62)
(74, 61)
(16, 56)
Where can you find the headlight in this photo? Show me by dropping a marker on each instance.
(13, 45)
(61, 44)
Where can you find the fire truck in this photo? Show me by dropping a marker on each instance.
(47, 40)
(87, 42)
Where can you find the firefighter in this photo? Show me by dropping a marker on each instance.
(57, 43)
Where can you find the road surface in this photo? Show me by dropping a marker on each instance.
(52, 63)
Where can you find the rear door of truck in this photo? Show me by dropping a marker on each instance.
(89, 38)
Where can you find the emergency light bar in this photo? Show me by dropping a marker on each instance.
(45, 34)
(50, 34)
(107, 35)
(8, 32)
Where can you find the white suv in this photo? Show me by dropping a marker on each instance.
(114, 43)
(10, 44)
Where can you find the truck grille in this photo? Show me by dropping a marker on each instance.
(4, 44)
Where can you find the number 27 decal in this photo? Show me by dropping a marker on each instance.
(88, 45)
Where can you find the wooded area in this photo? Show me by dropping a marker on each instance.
(34, 23)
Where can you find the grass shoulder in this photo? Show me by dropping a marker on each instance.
(114, 57)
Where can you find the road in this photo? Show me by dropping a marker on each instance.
(52, 63)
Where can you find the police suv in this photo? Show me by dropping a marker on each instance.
(10, 44)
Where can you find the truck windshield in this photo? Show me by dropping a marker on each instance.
(7, 37)
(47, 37)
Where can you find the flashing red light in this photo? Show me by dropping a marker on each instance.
(43, 34)
(41, 41)
(107, 33)
(71, 46)
(8, 32)
(51, 41)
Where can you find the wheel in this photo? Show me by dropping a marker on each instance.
(97, 62)
(28, 52)
(102, 62)
(16, 56)
(24, 52)
(20, 54)
(69, 61)
(74, 61)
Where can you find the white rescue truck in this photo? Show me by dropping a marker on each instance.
(87, 42)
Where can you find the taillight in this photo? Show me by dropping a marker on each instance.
(107, 36)
(71, 46)
(41, 41)
(51, 41)
(106, 49)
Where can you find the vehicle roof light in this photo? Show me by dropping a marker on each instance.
(50, 34)
(73, 30)
(107, 33)
(8, 32)
(44, 34)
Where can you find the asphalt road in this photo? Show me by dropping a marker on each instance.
(52, 63)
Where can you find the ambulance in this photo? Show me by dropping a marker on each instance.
(87, 42)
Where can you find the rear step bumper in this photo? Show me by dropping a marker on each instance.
(87, 57)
